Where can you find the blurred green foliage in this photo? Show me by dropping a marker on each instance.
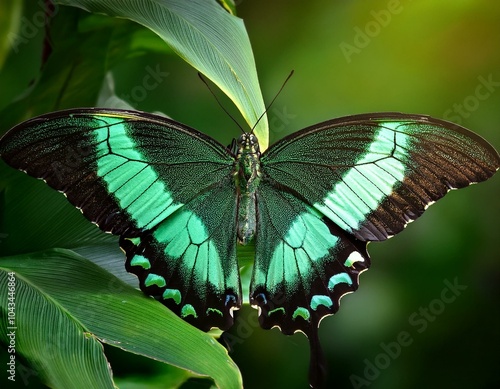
(351, 57)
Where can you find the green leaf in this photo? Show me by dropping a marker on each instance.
(108, 98)
(36, 217)
(74, 84)
(41, 331)
(85, 47)
(104, 308)
(246, 257)
(206, 36)
(9, 26)
(228, 5)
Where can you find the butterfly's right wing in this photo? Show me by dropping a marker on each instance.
(304, 263)
(327, 190)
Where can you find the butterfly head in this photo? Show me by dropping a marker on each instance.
(248, 144)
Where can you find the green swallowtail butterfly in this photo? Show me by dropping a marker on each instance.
(181, 202)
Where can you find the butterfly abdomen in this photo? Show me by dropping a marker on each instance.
(247, 176)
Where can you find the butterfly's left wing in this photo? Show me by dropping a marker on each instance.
(165, 188)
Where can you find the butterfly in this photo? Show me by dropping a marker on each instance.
(180, 202)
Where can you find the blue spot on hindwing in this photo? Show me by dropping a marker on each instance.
(188, 310)
(318, 300)
(230, 299)
(140, 260)
(174, 294)
(155, 279)
(340, 278)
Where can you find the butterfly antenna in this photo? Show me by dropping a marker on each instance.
(272, 101)
(218, 102)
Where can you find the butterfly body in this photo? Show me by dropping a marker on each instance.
(247, 174)
(180, 202)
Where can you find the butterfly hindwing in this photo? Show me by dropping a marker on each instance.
(304, 263)
(152, 181)
(372, 174)
(189, 261)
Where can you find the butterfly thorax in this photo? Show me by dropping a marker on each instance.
(247, 177)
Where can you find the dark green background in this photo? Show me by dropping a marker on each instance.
(423, 57)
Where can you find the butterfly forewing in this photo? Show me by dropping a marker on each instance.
(372, 174)
(154, 182)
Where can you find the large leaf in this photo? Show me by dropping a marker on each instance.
(72, 74)
(91, 304)
(205, 35)
(39, 330)
(35, 217)
(84, 48)
(9, 26)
